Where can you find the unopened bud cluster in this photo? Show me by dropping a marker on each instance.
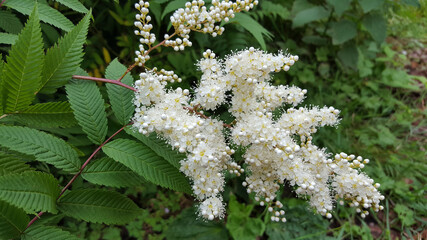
(277, 149)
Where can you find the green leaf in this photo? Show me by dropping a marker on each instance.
(12, 221)
(10, 164)
(369, 5)
(415, 3)
(7, 38)
(240, 224)
(348, 55)
(1, 85)
(48, 115)
(99, 206)
(274, 9)
(376, 26)
(106, 171)
(187, 226)
(405, 215)
(10, 23)
(343, 31)
(43, 146)
(252, 26)
(121, 98)
(147, 163)
(88, 106)
(340, 6)
(159, 146)
(75, 5)
(172, 6)
(32, 191)
(47, 14)
(40, 232)
(63, 59)
(309, 15)
(23, 69)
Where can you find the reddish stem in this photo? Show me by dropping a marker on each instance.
(80, 172)
(2, 2)
(104, 80)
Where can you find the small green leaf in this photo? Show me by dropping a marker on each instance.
(32, 191)
(40, 232)
(98, 206)
(63, 59)
(239, 222)
(7, 38)
(75, 5)
(187, 226)
(106, 171)
(142, 160)
(252, 26)
(172, 6)
(121, 98)
(340, 6)
(23, 68)
(369, 5)
(405, 215)
(348, 55)
(43, 146)
(309, 15)
(88, 105)
(343, 31)
(10, 23)
(12, 221)
(159, 146)
(376, 26)
(47, 115)
(47, 13)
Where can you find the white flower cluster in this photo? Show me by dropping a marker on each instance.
(194, 17)
(277, 148)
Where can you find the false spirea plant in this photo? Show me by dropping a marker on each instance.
(277, 150)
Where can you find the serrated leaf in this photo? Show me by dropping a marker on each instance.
(47, 14)
(172, 6)
(49, 115)
(88, 106)
(10, 164)
(63, 59)
(348, 55)
(252, 26)
(142, 160)
(74, 4)
(12, 221)
(340, 6)
(40, 232)
(369, 5)
(23, 68)
(10, 23)
(31, 191)
(43, 146)
(159, 146)
(98, 206)
(309, 15)
(121, 98)
(106, 171)
(376, 26)
(343, 31)
(1, 85)
(8, 38)
(274, 9)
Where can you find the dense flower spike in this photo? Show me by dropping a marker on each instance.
(278, 149)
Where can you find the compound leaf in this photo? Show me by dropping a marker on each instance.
(43, 146)
(12, 220)
(63, 59)
(144, 161)
(47, 13)
(99, 206)
(32, 191)
(121, 98)
(107, 172)
(23, 68)
(88, 106)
